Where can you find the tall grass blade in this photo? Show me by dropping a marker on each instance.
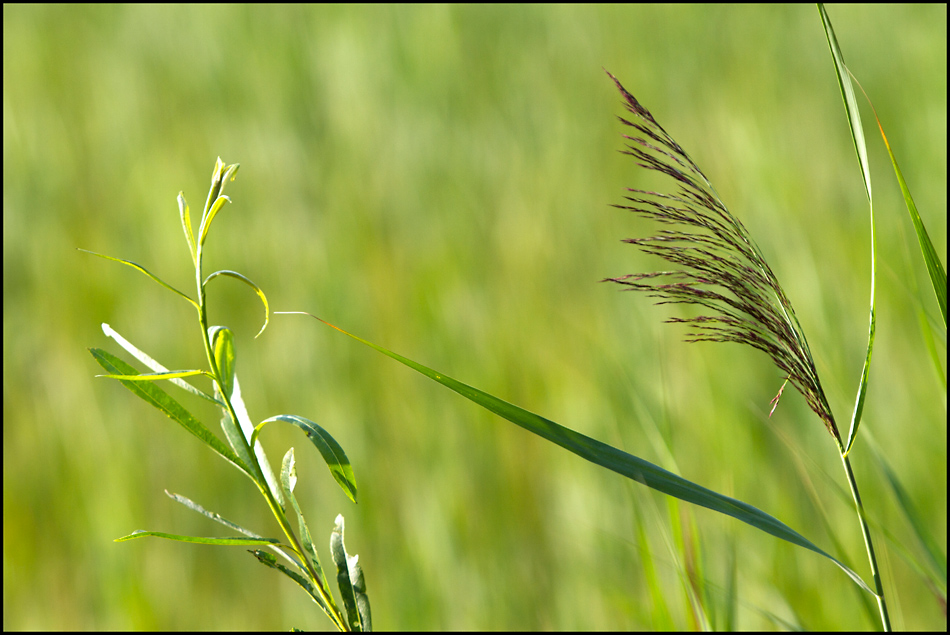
(928, 543)
(857, 135)
(935, 269)
(612, 458)
(723, 271)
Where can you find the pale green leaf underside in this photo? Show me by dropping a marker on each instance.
(349, 577)
(146, 359)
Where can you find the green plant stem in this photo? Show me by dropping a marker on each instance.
(878, 584)
(329, 605)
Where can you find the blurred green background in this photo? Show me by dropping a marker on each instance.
(438, 180)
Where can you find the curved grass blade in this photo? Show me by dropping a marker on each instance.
(154, 365)
(926, 540)
(331, 451)
(349, 577)
(249, 282)
(154, 395)
(614, 459)
(148, 273)
(238, 540)
(938, 275)
(857, 135)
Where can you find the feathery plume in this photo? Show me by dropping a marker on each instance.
(722, 268)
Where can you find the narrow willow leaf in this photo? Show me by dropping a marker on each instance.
(615, 460)
(239, 540)
(190, 504)
(236, 440)
(247, 428)
(157, 376)
(206, 223)
(267, 559)
(857, 135)
(283, 551)
(215, 190)
(331, 451)
(249, 282)
(163, 401)
(288, 473)
(219, 179)
(349, 577)
(222, 345)
(186, 226)
(288, 480)
(138, 267)
(154, 365)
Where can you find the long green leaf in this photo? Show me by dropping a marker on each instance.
(185, 214)
(250, 283)
(238, 540)
(218, 518)
(331, 451)
(267, 559)
(281, 550)
(857, 135)
(154, 395)
(172, 374)
(938, 275)
(288, 479)
(146, 359)
(148, 273)
(615, 460)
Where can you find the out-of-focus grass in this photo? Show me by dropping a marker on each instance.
(437, 179)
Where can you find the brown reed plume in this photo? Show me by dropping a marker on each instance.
(722, 268)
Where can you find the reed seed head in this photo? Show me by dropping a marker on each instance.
(719, 266)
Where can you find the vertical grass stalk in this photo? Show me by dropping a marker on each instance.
(722, 271)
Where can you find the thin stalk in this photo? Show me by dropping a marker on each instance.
(724, 273)
(329, 605)
(868, 544)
